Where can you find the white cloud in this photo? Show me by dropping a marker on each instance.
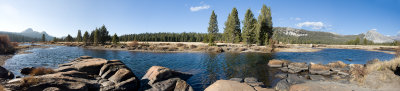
(312, 25)
(198, 8)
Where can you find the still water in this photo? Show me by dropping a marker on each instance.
(205, 67)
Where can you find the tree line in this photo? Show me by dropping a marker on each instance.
(166, 37)
(97, 36)
(254, 31)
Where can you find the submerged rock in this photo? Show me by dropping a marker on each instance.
(26, 70)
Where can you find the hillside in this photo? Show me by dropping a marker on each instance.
(301, 36)
(26, 36)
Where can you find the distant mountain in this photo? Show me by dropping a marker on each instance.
(396, 37)
(34, 34)
(28, 35)
(376, 37)
(295, 36)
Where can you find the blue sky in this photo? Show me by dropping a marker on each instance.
(62, 17)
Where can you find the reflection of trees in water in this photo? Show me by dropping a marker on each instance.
(241, 65)
(212, 68)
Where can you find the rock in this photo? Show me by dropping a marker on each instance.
(122, 75)
(160, 78)
(317, 77)
(236, 79)
(52, 89)
(382, 79)
(281, 75)
(26, 70)
(158, 73)
(227, 85)
(181, 85)
(277, 63)
(250, 79)
(40, 83)
(131, 84)
(294, 79)
(90, 66)
(318, 69)
(5, 74)
(297, 67)
(282, 85)
(85, 57)
(284, 69)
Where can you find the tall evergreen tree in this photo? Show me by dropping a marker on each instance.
(68, 38)
(96, 37)
(232, 30)
(79, 36)
(264, 26)
(103, 35)
(249, 28)
(115, 39)
(43, 38)
(212, 28)
(85, 38)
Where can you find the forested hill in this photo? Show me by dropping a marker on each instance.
(15, 37)
(301, 36)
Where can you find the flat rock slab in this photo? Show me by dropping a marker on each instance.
(317, 77)
(228, 85)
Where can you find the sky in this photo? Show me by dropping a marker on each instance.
(62, 17)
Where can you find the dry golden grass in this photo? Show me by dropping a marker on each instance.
(5, 45)
(180, 45)
(357, 73)
(41, 71)
(384, 65)
(319, 67)
(133, 43)
(28, 81)
(337, 64)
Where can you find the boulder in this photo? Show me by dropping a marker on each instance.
(236, 79)
(160, 78)
(277, 63)
(297, 67)
(85, 57)
(122, 75)
(158, 73)
(5, 74)
(227, 85)
(317, 78)
(282, 85)
(26, 70)
(318, 69)
(295, 79)
(281, 75)
(250, 79)
(90, 66)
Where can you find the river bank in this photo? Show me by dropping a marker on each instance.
(19, 50)
(227, 47)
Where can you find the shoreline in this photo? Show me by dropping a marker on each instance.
(19, 50)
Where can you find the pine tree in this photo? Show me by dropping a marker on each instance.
(357, 41)
(68, 38)
(232, 30)
(115, 39)
(85, 38)
(365, 42)
(264, 26)
(43, 38)
(103, 35)
(79, 36)
(96, 37)
(212, 28)
(249, 26)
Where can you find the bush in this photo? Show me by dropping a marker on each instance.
(133, 43)
(6, 47)
(28, 81)
(41, 71)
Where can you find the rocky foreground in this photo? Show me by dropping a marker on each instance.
(94, 74)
